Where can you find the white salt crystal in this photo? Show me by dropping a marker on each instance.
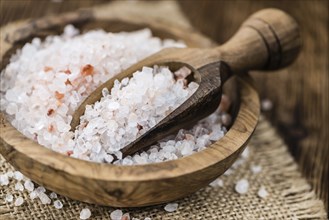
(44, 198)
(19, 201)
(9, 198)
(18, 175)
(10, 174)
(4, 180)
(217, 182)
(262, 193)
(11, 109)
(242, 186)
(33, 195)
(228, 172)
(245, 153)
(53, 195)
(116, 214)
(19, 187)
(113, 106)
(40, 189)
(266, 105)
(256, 169)
(29, 186)
(171, 207)
(147, 218)
(58, 204)
(85, 213)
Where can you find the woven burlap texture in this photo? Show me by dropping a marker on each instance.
(290, 196)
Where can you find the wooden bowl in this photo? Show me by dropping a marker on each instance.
(124, 186)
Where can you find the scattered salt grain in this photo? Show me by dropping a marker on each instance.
(242, 186)
(126, 216)
(29, 186)
(256, 169)
(245, 153)
(116, 214)
(147, 218)
(171, 207)
(85, 213)
(18, 176)
(266, 105)
(53, 195)
(19, 201)
(217, 182)
(58, 204)
(262, 192)
(9, 198)
(40, 189)
(44, 198)
(19, 186)
(33, 195)
(4, 180)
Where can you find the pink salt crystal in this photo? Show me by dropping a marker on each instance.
(182, 73)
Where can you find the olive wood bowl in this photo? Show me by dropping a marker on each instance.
(124, 186)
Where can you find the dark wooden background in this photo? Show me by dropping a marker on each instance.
(299, 93)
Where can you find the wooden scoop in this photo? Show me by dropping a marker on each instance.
(267, 40)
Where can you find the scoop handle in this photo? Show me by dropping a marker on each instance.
(268, 40)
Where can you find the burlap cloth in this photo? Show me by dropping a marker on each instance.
(290, 196)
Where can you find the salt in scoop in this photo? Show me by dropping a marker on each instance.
(267, 40)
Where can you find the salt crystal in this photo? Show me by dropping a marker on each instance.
(53, 195)
(126, 216)
(33, 195)
(10, 174)
(256, 169)
(19, 187)
(147, 218)
(18, 175)
(245, 153)
(171, 207)
(217, 182)
(44, 198)
(9, 198)
(242, 186)
(19, 201)
(58, 204)
(4, 180)
(116, 214)
(266, 104)
(40, 189)
(29, 186)
(262, 193)
(85, 213)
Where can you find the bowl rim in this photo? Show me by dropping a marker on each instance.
(12, 142)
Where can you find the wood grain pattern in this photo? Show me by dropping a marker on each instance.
(268, 40)
(126, 186)
(299, 93)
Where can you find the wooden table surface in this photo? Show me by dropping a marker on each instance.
(299, 93)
